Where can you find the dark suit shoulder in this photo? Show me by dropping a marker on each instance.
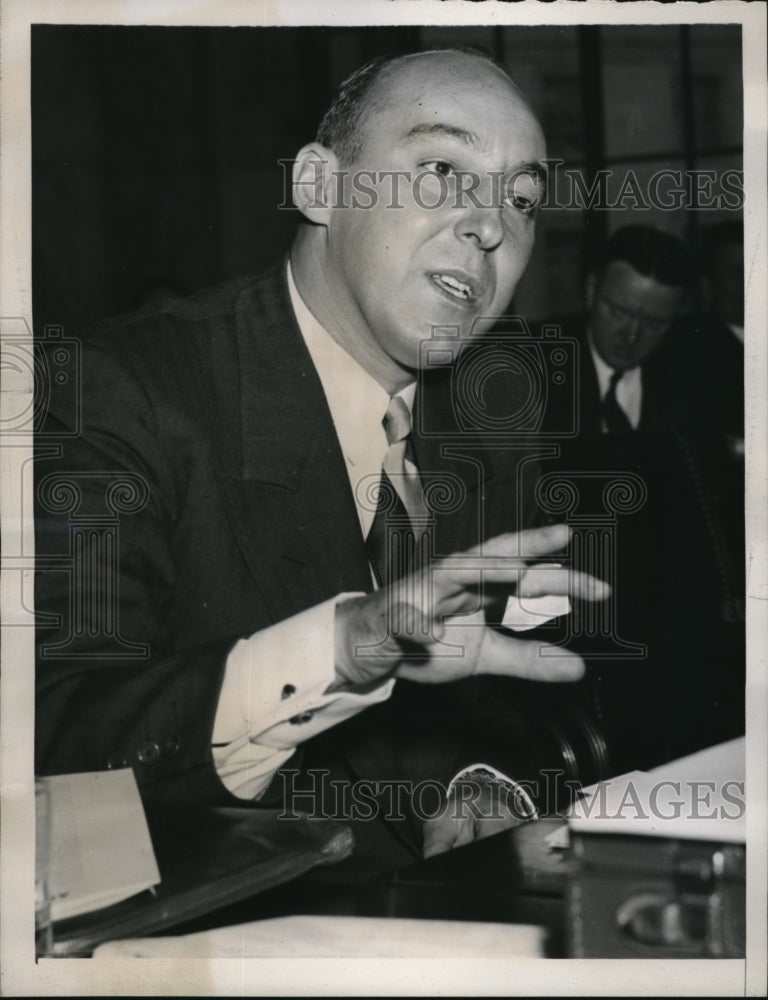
(181, 350)
(148, 329)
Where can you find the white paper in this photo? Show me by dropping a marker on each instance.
(101, 851)
(700, 797)
(524, 613)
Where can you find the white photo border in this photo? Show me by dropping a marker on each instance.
(470, 976)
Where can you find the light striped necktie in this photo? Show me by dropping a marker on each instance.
(393, 540)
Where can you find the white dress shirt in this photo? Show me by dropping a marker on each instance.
(629, 388)
(275, 690)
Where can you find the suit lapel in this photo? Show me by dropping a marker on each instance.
(283, 476)
(285, 485)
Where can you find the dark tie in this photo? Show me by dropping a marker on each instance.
(616, 420)
(394, 541)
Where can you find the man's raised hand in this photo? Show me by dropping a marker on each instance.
(430, 626)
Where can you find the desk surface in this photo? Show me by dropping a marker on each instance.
(515, 878)
(512, 877)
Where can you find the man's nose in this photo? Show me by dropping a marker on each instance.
(632, 329)
(481, 218)
(483, 224)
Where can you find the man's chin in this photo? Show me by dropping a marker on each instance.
(623, 363)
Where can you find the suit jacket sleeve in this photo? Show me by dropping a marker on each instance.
(155, 552)
(108, 673)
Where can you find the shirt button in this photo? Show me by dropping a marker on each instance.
(148, 752)
(287, 691)
(297, 720)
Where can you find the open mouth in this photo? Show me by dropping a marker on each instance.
(454, 287)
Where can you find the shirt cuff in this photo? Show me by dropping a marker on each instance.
(275, 696)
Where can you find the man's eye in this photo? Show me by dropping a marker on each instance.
(526, 205)
(441, 167)
(524, 192)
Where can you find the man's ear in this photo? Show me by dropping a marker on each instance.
(315, 183)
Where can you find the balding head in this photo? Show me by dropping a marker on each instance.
(371, 88)
(438, 159)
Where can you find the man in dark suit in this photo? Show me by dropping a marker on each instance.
(205, 518)
(647, 412)
(634, 292)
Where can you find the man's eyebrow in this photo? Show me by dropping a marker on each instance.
(471, 139)
(535, 168)
(441, 129)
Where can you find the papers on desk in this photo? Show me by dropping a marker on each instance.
(341, 937)
(101, 851)
(699, 797)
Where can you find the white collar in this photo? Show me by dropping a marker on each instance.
(631, 377)
(629, 388)
(356, 400)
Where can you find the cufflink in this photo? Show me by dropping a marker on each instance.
(297, 720)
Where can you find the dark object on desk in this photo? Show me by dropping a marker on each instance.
(650, 897)
(512, 877)
(208, 859)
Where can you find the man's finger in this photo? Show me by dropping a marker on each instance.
(470, 573)
(439, 836)
(538, 581)
(499, 559)
(528, 544)
(528, 659)
(445, 832)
